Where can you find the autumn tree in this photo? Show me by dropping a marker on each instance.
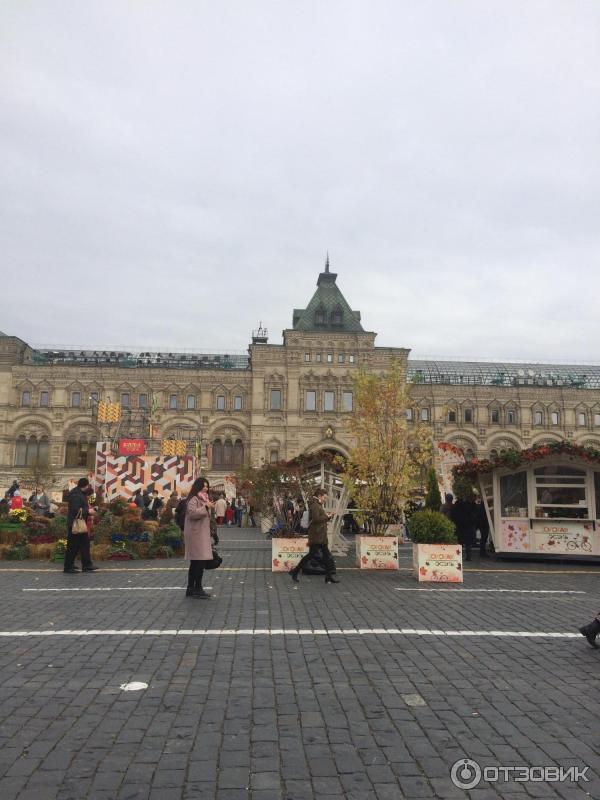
(433, 498)
(387, 464)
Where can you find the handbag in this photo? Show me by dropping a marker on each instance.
(215, 562)
(79, 524)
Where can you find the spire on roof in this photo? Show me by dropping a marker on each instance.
(327, 263)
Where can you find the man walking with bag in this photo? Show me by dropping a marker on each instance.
(317, 538)
(78, 541)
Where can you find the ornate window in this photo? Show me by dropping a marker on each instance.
(31, 450)
(81, 452)
(190, 402)
(495, 416)
(237, 402)
(337, 316)
(26, 398)
(220, 402)
(581, 419)
(173, 402)
(75, 399)
(306, 357)
(511, 416)
(238, 453)
(143, 400)
(330, 358)
(273, 456)
(328, 401)
(347, 401)
(468, 415)
(125, 399)
(310, 400)
(452, 416)
(44, 399)
(217, 454)
(409, 415)
(351, 358)
(424, 415)
(320, 316)
(554, 418)
(538, 418)
(275, 400)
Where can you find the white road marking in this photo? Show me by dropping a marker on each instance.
(293, 632)
(134, 686)
(511, 591)
(114, 589)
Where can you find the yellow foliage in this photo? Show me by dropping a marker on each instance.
(388, 462)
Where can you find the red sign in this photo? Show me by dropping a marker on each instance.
(132, 447)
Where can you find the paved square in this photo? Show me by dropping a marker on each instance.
(372, 688)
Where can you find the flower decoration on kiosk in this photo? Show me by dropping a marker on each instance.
(513, 459)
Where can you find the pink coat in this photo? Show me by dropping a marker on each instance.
(196, 531)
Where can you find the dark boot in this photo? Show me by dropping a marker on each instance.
(331, 579)
(591, 631)
(294, 575)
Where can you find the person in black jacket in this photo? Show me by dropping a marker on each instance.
(481, 523)
(464, 518)
(78, 543)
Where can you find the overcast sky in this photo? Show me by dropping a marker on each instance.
(173, 172)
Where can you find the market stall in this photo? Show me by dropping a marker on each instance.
(542, 502)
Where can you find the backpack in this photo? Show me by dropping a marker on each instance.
(180, 510)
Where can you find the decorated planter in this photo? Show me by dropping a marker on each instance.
(120, 557)
(376, 552)
(286, 552)
(440, 563)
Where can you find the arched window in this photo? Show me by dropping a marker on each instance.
(337, 316)
(21, 451)
(81, 452)
(469, 454)
(493, 453)
(217, 454)
(227, 453)
(320, 316)
(32, 450)
(238, 453)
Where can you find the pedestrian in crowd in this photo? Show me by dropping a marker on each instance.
(16, 501)
(350, 523)
(40, 502)
(153, 507)
(464, 518)
(220, 509)
(301, 518)
(482, 525)
(240, 507)
(447, 505)
(229, 513)
(317, 538)
(591, 630)
(14, 487)
(196, 534)
(168, 511)
(78, 543)
(138, 499)
(251, 519)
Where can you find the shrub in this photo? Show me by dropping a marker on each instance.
(58, 526)
(431, 527)
(131, 523)
(433, 499)
(118, 507)
(17, 552)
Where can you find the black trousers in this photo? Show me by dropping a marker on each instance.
(195, 574)
(321, 552)
(78, 544)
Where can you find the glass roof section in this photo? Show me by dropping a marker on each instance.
(491, 373)
(133, 360)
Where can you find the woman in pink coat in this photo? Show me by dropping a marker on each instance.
(196, 534)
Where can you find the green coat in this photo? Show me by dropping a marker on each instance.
(318, 519)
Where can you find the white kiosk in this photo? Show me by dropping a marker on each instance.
(542, 502)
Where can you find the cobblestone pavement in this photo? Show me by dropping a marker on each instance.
(375, 691)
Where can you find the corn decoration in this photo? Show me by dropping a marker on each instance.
(173, 447)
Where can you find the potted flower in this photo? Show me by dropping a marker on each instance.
(120, 552)
(437, 556)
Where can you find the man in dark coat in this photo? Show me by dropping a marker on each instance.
(464, 519)
(78, 543)
(317, 538)
(482, 524)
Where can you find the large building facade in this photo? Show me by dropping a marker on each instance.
(275, 402)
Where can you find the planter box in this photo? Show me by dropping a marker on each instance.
(376, 552)
(119, 557)
(440, 563)
(287, 552)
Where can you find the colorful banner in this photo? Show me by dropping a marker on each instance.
(568, 537)
(132, 447)
(377, 552)
(514, 536)
(286, 553)
(438, 562)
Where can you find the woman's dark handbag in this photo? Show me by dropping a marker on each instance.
(215, 562)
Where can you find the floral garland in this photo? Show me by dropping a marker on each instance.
(514, 459)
